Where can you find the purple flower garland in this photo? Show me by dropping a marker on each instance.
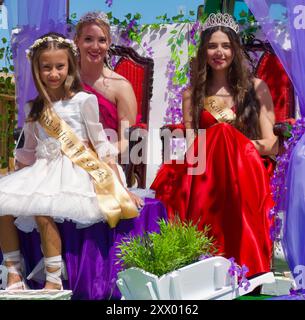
(174, 94)
(298, 294)
(235, 271)
(278, 181)
(173, 113)
(240, 272)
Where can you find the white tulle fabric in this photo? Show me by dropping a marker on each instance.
(52, 185)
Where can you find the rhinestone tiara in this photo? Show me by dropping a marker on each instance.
(220, 19)
(94, 15)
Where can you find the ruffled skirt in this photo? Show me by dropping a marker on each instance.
(56, 188)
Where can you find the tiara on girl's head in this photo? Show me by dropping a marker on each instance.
(40, 41)
(94, 15)
(220, 19)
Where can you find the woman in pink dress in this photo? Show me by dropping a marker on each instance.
(117, 101)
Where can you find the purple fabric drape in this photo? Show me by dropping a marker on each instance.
(90, 253)
(34, 18)
(294, 208)
(286, 35)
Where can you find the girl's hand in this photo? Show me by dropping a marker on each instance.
(136, 200)
(19, 165)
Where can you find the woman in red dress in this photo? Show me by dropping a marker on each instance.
(229, 190)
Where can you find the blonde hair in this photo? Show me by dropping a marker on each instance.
(104, 25)
(100, 19)
(72, 83)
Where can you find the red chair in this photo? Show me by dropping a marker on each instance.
(272, 72)
(270, 69)
(139, 72)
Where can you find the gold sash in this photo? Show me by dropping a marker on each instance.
(217, 108)
(113, 199)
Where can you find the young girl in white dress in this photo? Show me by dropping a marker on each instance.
(54, 181)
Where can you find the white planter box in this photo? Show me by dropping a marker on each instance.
(203, 280)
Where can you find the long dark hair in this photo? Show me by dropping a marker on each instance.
(240, 81)
(72, 83)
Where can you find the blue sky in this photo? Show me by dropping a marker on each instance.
(149, 9)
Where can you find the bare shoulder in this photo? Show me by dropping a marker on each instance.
(187, 103)
(263, 94)
(118, 82)
(187, 93)
(113, 75)
(260, 85)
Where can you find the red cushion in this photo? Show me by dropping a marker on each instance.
(134, 73)
(140, 125)
(272, 72)
(175, 126)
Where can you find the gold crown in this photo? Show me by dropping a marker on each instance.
(220, 19)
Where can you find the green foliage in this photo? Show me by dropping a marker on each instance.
(178, 244)
(249, 26)
(175, 42)
(7, 85)
(7, 103)
(287, 133)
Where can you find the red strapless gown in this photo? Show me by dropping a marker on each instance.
(232, 195)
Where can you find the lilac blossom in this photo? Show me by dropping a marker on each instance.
(132, 23)
(149, 50)
(243, 279)
(278, 181)
(109, 3)
(125, 39)
(194, 32)
(240, 272)
(174, 91)
(300, 293)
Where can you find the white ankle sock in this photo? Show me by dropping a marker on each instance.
(15, 257)
(12, 256)
(53, 262)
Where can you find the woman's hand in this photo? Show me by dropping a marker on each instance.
(136, 200)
